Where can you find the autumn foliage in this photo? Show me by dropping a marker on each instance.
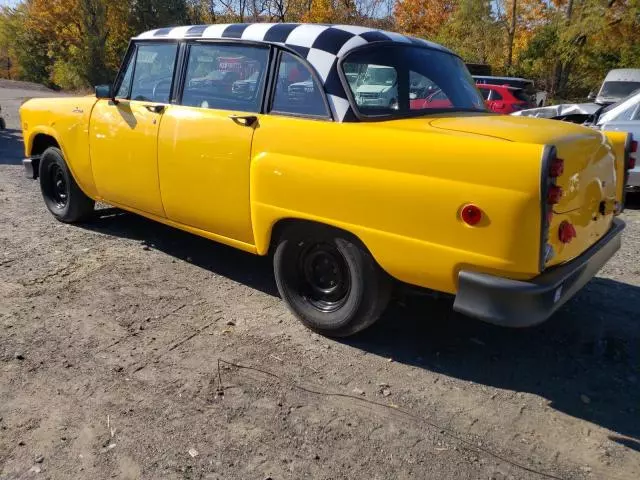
(566, 46)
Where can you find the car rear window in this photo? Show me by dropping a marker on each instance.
(397, 80)
(520, 95)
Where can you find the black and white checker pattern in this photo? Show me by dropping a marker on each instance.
(321, 45)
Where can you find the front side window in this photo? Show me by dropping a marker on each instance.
(125, 84)
(297, 92)
(153, 75)
(225, 77)
(399, 79)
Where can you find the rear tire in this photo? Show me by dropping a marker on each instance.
(60, 192)
(329, 280)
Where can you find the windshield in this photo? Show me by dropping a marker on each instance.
(618, 89)
(417, 80)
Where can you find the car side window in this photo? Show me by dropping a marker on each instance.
(297, 92)
(225, 77)
(153, 74)
(125, 84)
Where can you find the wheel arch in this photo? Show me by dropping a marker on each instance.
(282, 224)
(42, 141)
(39, 140)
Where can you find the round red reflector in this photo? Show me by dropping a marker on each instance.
(632, 163)
(471, 215)
(557, 168)
(566, 232)
(554, 195)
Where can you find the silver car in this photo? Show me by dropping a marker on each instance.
(624, 116)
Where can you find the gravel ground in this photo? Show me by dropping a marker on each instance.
(132, 350)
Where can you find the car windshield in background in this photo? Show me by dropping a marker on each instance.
(618, 89)
(399, 80)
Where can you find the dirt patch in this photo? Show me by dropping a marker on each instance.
(123, 347)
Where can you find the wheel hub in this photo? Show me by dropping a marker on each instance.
(325, 277)
(59, 186)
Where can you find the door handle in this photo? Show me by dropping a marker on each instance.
(155, 108)
(244, 120)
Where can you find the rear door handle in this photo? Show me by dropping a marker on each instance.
(244, 120)
(155, 108)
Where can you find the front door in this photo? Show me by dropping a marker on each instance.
(123, 135)
(204, 145)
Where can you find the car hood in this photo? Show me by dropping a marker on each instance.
(373, 88)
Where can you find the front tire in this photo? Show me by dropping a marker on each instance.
(60, 192)
(329, 280)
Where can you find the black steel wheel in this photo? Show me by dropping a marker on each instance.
(329, 280)
(60, 192)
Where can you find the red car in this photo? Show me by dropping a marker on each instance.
(436, 99)
(505, 99)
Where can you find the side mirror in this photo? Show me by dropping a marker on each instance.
(591, 96)
(104, 91)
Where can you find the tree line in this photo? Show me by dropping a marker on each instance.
(566, 46)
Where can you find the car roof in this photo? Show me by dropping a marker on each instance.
(623, 75)
(337, 39)
(321, 45)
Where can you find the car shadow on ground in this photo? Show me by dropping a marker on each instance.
(11, 147)
(229, 262)
(585, 361)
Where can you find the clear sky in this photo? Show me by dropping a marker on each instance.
(10, 3)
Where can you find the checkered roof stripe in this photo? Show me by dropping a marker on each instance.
(320, 45)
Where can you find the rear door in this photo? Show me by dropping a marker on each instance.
(204, 142)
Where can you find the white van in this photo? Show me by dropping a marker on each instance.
(618, 84)
(379, 87)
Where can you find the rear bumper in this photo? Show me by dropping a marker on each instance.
(514, 303)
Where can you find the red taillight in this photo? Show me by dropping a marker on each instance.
(557, 168)
(634, 146)
(471, 215)
(632, 163)
(566, 232)
(555, 195)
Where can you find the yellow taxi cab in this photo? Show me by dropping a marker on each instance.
(356, 157)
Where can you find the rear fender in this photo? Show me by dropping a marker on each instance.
(621, 146)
